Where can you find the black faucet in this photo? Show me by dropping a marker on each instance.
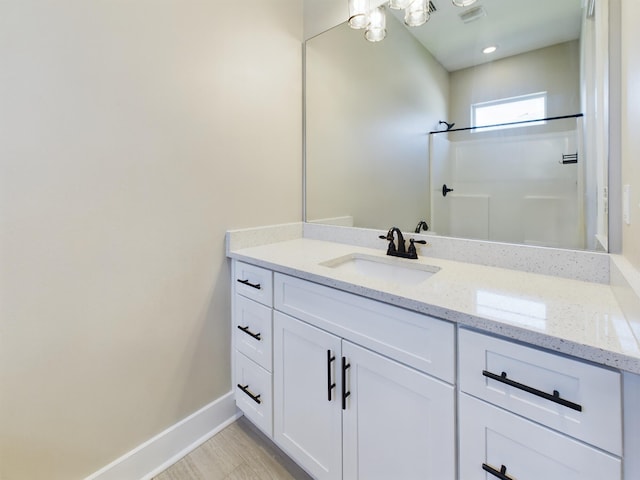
(422, 225)
(401, 250)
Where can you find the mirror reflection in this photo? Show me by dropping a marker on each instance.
(422, 126)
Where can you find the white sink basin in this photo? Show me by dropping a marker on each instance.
(390, 269)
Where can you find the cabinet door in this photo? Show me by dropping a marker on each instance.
(307, 414)
(495, 444)
(398, 422)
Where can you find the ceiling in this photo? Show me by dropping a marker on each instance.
(515, 26)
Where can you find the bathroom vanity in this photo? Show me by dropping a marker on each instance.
(359, 369)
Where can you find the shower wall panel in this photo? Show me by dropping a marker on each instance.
(531, 196)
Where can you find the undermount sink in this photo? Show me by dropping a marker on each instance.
(390, 269)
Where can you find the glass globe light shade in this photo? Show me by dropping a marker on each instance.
(377, 28)
(399, 4)
(463, 3)
(417, 13)
(359, 13)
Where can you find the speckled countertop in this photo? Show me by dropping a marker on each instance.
(574, 317)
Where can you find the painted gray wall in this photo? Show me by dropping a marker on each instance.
(369, 110)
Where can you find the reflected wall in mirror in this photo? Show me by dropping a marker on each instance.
(376, 153)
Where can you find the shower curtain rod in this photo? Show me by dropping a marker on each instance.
(577, 115)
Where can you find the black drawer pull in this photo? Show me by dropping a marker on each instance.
(502, 474)
(330, 384)
(249, 332)
(345, 394)
(554, 397)
(245, 389)
(249, 284)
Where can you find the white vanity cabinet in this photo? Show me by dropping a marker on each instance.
(252, 330)
(352, 388)
(528, 414)
(344, 411)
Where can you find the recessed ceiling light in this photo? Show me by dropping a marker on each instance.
(490, 49)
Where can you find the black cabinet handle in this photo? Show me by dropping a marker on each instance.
(245, 389)
(345, 394)
(502, 474)
(249, 284)
(553, 397)
(330, 384)
(249, 332)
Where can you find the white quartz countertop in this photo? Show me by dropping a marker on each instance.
(576, 318)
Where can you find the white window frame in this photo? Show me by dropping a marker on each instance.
(505, 101)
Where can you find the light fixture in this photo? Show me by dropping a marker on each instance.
(399, 4)
(417, 13)
(490, 49)
(359, 13)
(377, 28)
(463, 3)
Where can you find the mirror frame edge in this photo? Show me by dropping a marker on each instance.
(614, 113)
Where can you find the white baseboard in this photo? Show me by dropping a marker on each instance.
(166, 448)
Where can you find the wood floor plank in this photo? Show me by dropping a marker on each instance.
(239, 452)
(268, 468)
(243, 472)
(181, 470)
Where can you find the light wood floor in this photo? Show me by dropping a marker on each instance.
(239, 452)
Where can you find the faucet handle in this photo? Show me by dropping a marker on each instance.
(413, 253)
(391, 249)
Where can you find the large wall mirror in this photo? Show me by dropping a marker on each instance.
(390, 124)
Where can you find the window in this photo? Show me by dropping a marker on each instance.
(510, 110)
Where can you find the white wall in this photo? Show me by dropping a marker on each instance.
(369, 110)
(630, 121)
(133, 133)
(554, 69)
(510, 189)
(594, 70)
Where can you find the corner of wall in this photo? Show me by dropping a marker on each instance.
(166, 448)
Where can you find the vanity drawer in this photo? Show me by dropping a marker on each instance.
(525, 380)
(252, 330)
(254, 282)
(417, 340)
(491, 438)
(254, 393)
